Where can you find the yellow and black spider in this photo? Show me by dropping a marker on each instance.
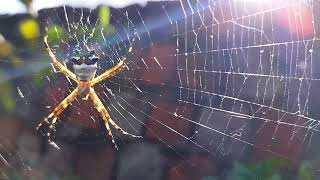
(85, 68)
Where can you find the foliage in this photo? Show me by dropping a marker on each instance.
(306, 172)
(6, 48)
(26, 2)
(55, 32)
(7, 99)
(104, 16)
(104, 19)
(29, 30)
(266, 170)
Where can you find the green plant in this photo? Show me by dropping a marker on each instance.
(263, 170)
(274, 169)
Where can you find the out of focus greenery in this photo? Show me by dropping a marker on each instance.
(306, 171)
(104, 15)
(55, 33)
(274, 169)
(104, 18)
(264, 170)
(29, 30)
(28, 5)
(7, 99)
(26, 2)
(6, 49)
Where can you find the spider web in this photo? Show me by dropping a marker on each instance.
(11, 162)
(241, 75)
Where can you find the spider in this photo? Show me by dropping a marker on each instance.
(84, 75)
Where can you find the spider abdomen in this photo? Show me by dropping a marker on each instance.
(84, 89)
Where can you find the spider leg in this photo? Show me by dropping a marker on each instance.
(106, 117)
(113, 71)
(57, 64)
(121, 130)
(110, 134)
(57, 111)
(103, 112)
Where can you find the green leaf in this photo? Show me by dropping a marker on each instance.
(263, 170)
(55, 34)
(270, 167)
(306, 171)
(7, 99)
(104, 16)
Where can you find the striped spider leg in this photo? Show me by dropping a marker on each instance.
(85, 68)
(64, 104)
(57, 64)
(106, 117)
(57, 111)
(113, 71)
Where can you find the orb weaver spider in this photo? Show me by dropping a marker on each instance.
(85, 68)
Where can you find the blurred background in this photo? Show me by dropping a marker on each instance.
(218, 89)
